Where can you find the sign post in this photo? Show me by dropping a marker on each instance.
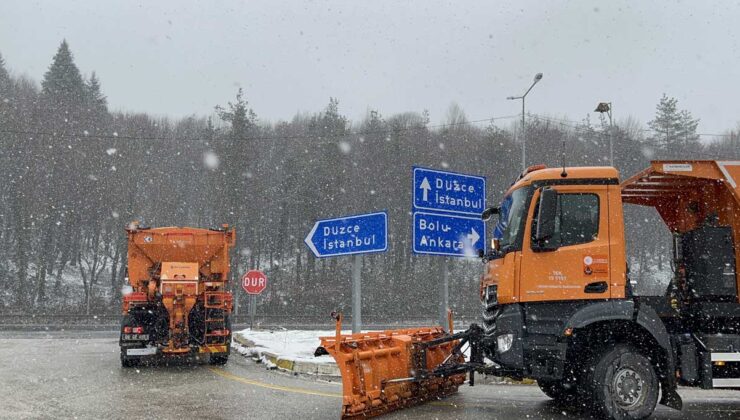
(254, 282)
(446, 220)
(357, 294)
(350, 235)
(444, 293)
(252, 310)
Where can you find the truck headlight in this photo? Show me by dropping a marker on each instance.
(504, 342)
(492, 295)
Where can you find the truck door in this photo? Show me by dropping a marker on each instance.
(575, 264)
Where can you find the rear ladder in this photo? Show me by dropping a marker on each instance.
(216, 331)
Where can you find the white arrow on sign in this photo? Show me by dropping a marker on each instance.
(308, 241)
(473, 236)
(425, 187)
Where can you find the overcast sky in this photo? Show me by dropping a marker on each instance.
(180, 57)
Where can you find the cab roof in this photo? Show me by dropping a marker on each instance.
(542, 173)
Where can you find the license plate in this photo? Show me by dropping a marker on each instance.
(148, 351)
(136, 337)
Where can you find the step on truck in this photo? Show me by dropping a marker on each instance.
(177, 303)
(559, 305)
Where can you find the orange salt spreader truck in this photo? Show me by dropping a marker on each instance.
(178, 304)
(558, 301)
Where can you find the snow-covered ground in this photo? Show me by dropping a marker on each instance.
(296, 345)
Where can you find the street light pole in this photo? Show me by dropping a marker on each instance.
(524, 136)
(603, 107)
(537, 78)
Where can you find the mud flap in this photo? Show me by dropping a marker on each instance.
(670, 396)
(389, 370)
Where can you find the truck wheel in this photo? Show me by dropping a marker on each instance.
(219, 360)
(228, 338)
(558, 391)
(128, 362)
(623, 384)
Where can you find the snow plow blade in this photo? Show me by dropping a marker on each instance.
(389, 370)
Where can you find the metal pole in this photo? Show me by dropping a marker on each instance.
(524, 139)
(537, 78)
(233, 280)
(611, 137)
(252, 310)
(357, 294)
(444, 294)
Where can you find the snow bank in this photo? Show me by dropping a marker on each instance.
(296, 345)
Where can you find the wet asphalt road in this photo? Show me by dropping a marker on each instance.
(78, 375)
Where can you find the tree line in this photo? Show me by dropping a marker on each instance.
(75, 173)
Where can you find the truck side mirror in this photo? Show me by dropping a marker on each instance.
(487, 213)
(546, 215)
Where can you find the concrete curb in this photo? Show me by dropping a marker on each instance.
(303, 367)
(331, 370)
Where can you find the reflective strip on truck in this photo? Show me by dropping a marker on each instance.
(726, 357)
(726, 383)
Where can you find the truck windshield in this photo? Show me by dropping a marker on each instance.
(511, 218)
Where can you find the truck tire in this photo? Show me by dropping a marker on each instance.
(219, 360)
(228, 339)
(558, 391)
(128, 362)
(623, 384)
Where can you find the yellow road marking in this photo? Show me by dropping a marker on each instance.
(233, 377)
(438, 403)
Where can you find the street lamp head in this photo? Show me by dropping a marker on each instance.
(602, 107)
(537, 77)
(511, 97)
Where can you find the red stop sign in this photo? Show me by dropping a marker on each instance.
(254, 282)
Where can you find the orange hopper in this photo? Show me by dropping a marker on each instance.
(180, 266)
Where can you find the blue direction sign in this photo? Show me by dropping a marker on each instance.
(360, 234)
(441, 234)
(449, 192)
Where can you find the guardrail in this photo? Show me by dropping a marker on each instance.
(288, 320)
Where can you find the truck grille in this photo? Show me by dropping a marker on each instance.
(490, 309)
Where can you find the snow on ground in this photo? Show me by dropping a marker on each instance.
(297, 345)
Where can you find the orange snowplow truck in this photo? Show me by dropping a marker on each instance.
(178, 304)
(559, 305)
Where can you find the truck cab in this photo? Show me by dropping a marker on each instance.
(583, 258)
(557, 300)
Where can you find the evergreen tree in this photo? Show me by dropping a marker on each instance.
(238, 159)
(97, 102)
(5, 87)
(4, 80)
(64, 115)
(330, 123)
(5, 98)
(63, 83)
(675, 130)
(239, 115)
